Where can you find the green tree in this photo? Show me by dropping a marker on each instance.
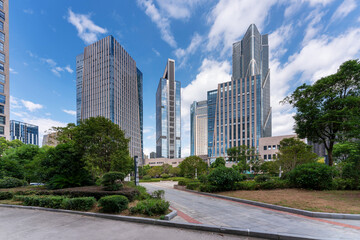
(166, 168)
(347, 157)
(5, 144)
(329, 110)
(192, 164)
(155, 171)
(175, 171)
(270, 167)
(143, 170)
(219, 162)
(245, 157)
(294, 152)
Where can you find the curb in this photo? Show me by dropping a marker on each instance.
(191, 226)
(281, 208)
(171, 215)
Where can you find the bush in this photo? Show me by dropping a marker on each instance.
(345, 184)
(143, 194)
(203, 178)
(6, 195)
(146, 177)
(19, 198)
(159, 194)
(42, 201)
(192, 185)
(112, 181)
(224, 178)
(164, 175)
(151, 207)
(317, 176)
(79, 204)
(207, 188)
(184, 182)
(129, 193)
(11, 182)
(113, 204)
(262, 178)
(270, 184)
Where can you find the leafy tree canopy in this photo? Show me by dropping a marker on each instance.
(219, 162)
(192, 164)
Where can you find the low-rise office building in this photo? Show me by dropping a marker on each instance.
(269, 146)
(161, 161)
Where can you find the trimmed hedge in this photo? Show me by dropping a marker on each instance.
(6, 195)
(193, 185)
(151, 207)
(112, 181)
(11, 182)
(79, 204)
(113, 204)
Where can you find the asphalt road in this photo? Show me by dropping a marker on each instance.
(42, 225)
(213, 211)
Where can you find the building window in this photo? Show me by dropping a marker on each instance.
(2, 36)
(2, 57)
(274, 146)
(269, 156)
(2, 109)
(278, 146)
(1, 26)
(265, 147)
(1, 5)
(1, 88)
(2, 15)
(265, 157)
(269, 147)
(2, 99)
(2, 78)
(2, 130)
(1, 46)
(2, 120)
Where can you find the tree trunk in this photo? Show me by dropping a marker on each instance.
(330, 156)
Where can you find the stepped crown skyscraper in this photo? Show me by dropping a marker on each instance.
(168, 114)
(241, 114)
(109, 84)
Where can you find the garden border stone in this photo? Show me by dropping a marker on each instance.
(171, 215)
(191, 226)
(281, 208)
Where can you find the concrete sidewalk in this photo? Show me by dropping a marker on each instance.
(219, 212)
(37, 225)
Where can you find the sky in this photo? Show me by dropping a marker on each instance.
(308, 39)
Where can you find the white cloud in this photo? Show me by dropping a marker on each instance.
(278, 39)
(88, 31)
(231, 18)
(28, 11)
(13, 71)
(31, 106)
(183, 54)
(178, 9)
(295, 5)
(71, 112)
(162, 22)
(68, 68)
(156, 52)
(314, 26)
(346, 7)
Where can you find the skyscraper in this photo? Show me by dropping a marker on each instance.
(4, 70)
(109, 84)
(168, 114)
(242, 113)
(27, 133)
(198, 128)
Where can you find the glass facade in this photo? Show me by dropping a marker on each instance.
(140, 94)
(27, 133)
(241, 112)
(168, 114)
(198, 128)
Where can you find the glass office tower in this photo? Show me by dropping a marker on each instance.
(4, 70)
(198, 128)
(109, 84)
(27, 133)
(243, 114)
(168, 114)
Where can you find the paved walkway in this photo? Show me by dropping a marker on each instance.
(41, 225)
(213, 211)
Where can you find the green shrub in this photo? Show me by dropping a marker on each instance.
(19, 198)
(164, 175)
(203, 178)
(113, 204)
(317, 176)
(151, 207)
(112, 181)
(159, 194)
(129, 193)
(207, 188)
(143, 194)
(262, 178)
(184, 182)
(6, 195)
(146, 177)
(79, 204)
(224, 178)
(11, 182)
(50, 201)
(192, 185)
(345, 184)
(270, 184)
(247, 185)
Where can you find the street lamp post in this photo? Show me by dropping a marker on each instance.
(136, 171)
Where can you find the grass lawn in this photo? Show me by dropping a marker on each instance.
(317, 201)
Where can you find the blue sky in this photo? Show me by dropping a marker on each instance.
(308, 39)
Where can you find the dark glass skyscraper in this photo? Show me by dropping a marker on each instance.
(109, 84)
(168, 114)
(243, 114)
